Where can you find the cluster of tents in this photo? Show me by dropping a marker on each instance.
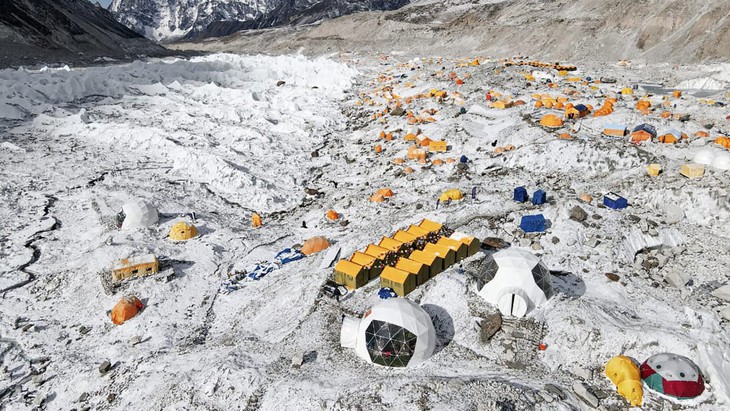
(407, 259)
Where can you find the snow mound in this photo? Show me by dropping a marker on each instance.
(703, 83)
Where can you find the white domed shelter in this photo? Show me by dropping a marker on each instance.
(515, 280)
(137, 214)
(395, 332)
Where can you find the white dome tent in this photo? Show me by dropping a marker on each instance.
(515, 280)
(395, 332)
(137, 214)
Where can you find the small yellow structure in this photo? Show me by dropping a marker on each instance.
(405, 238)
(437, 146)
(402, 282)
(654, 169)
(472, 243)
(446, 253)
(256, 220)
(454, 195)
(381, 253)
(458, 247)
(692, 170)
(392, 245)
(627, 91)
(417, 231)
(627, 378)
(135, 267)
(350, 274)
(182, 231)
(372, 264)
(419, 269)
(431, 226)
(434, 262)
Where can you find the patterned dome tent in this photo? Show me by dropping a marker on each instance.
(395, 333)
(182, 231)
(515, 280)
(137, 214)
(672, 375)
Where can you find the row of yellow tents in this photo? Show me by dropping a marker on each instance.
(407, 259)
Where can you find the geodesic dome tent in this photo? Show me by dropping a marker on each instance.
(515, 280)
(395, 333)
(137, 214)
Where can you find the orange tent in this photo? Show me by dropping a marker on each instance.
(125, 309)
(702, 134)
(314, 245)
(723, 141)
(408, 170)
(398, 160)
(565, 136)
(256, 220)
(552, 121)
(643, 106)
(437, 162)
(381, 195)
(332, 215)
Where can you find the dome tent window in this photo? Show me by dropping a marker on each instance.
(389, 344)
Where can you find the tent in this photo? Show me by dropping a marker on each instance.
(350, 274)
(453, 194)
(395, 333)
(431, 226)
(627, 91)
(459, 248)
(419, 269)
(472, 243)
(135, 267)
(256, 220)
(551, 120)
(435, 263)
(393, 245)
(671, 136)
(372, 264)
(438, 146)
(723, 141)
(515, 280)
(673, 375)
(137, 214)
(182, 231)
(447, 254)
(622, 371)
(125, 309)
(381, 195)
(332, 215)
(614, 130)
(314, 245)
(400, 281)
(643, 132)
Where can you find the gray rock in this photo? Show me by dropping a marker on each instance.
(398, 111)
(725, 313)
(583, 393)
(297, 360)
(104, 367)
(556, 391)
(419, 206)
(462, 166)
(673, 213)
(536, 246)
(578, 214)
(723, 292)
(135, 340)
(493, 242)
(489, 326)
(555, 240)
(84, 397)
(280, 83)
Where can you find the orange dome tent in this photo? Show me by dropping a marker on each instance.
(552, 121)
(256, 220)
(381, 195)
(314, 245)
(332, 215)
(703, 134)
(125, 309)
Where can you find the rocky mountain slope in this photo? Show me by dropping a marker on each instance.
(166, 20)
(41, 31)
(650, 30)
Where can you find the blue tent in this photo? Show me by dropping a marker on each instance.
(539, 197)
(520, 194)
(532, 223)
(615, 201)
(580, 107)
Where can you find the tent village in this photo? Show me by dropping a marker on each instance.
(516, 216)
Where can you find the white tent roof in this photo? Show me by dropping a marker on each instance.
(391, 318)
(138, 214)
(520, 282)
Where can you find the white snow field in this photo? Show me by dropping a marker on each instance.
(217, 137)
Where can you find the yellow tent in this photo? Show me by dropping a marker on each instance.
(182, 231)
(391, 244)
(314, 245)
(447, 254)
(350, 274)
(402, 282)
(627, 91)
(372, 264)
(627, 378)
(551, 120)
(430, 226)
(418, 268)
(453, 194)
(256, 220)
(458, 247)
(434, 262)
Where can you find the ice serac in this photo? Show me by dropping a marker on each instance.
(166, 20)
(43, 31)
